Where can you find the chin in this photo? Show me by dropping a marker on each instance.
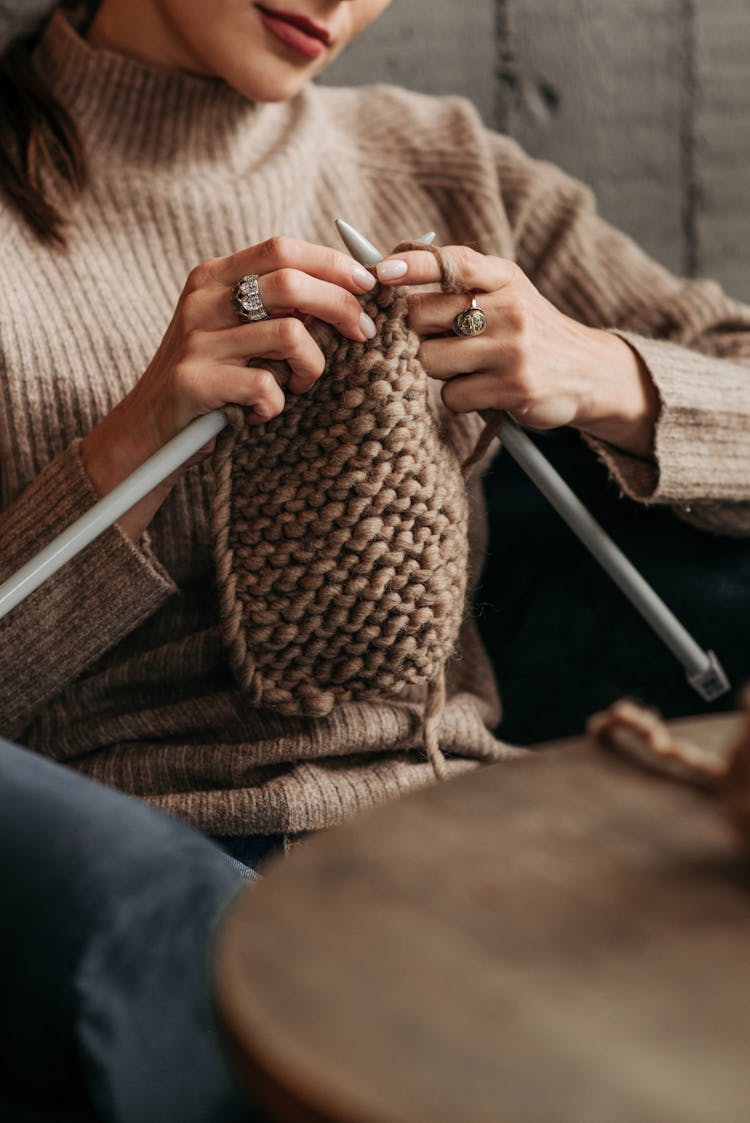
(275, 87)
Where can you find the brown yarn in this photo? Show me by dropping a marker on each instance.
(340, 531)
(450, 282)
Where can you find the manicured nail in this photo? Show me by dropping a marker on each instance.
(389, 270)
(368, 326)
(363, 277)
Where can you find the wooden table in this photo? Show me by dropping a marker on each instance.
(559, 940)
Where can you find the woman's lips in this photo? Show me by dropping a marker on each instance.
(296, 32)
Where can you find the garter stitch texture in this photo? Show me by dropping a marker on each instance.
(340, 531)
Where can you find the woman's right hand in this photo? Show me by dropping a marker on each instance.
(205, 360)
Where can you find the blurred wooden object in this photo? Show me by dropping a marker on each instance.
(556, 940)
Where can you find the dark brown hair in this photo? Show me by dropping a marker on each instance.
(42, 161)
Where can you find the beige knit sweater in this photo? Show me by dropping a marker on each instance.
(115, 665)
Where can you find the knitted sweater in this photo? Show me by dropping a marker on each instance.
(115, 665)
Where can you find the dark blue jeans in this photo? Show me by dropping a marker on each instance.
(107, 915)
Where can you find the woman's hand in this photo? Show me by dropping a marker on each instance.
(205, 360)
(544, 368)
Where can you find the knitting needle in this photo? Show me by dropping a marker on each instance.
(703, 670)
(109, 509)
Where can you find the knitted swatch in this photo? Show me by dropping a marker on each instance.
(340, 531)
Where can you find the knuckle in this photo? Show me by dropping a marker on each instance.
(194, 344)
(284, 282)
(318, 362)
(516, 317)
(349, 305)
(524, 392)
(515, 272)
(191, 307)
(515, 359)
(465, 258)
(292, 333)
(523, 406)
(451, 396)
(279, 249)
(416, 303)
(265, 385)
(331, 261)
(200, 276)
(183, 377)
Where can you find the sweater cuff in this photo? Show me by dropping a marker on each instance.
(702, 438)
(83, 610)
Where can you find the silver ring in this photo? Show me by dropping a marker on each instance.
(246, 300)
(472, 321)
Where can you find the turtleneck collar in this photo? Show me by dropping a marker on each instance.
(137, 110)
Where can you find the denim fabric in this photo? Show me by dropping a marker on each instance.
(245, 872)
(108, 913)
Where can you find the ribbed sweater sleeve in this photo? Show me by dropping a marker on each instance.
(79, 613)
(693, 339)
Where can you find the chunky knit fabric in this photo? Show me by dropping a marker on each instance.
(341, 531)
(117, 665)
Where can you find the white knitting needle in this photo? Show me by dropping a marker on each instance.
(702, 668)
(108, 510)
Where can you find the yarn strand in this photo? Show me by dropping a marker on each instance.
(431, 717)
(451, 284)
(435, 700)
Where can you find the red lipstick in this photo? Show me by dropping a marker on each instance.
(296, 31)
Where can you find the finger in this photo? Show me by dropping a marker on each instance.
(290, 290)
(254, 387)
(481, 390)
(283, 252)
(208, 309)
(263, 394)
(433, 313)
(283, 292)
(476, 271)
(286, 338)
(445, 358)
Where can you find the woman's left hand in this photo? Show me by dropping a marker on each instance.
(540, 365)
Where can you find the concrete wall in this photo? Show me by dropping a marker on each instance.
(646, 100)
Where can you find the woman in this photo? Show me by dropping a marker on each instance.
(208, 157)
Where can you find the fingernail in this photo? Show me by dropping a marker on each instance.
(368, 326)
(389, 270)
(363, 277)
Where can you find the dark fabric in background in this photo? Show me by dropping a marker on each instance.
(564, 640)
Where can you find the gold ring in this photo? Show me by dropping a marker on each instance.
(472, 321)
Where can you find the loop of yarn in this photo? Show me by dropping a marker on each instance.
(340, 531)
(450, 282)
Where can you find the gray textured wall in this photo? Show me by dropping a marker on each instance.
(646, 100)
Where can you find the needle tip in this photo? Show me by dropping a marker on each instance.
(359, 247)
